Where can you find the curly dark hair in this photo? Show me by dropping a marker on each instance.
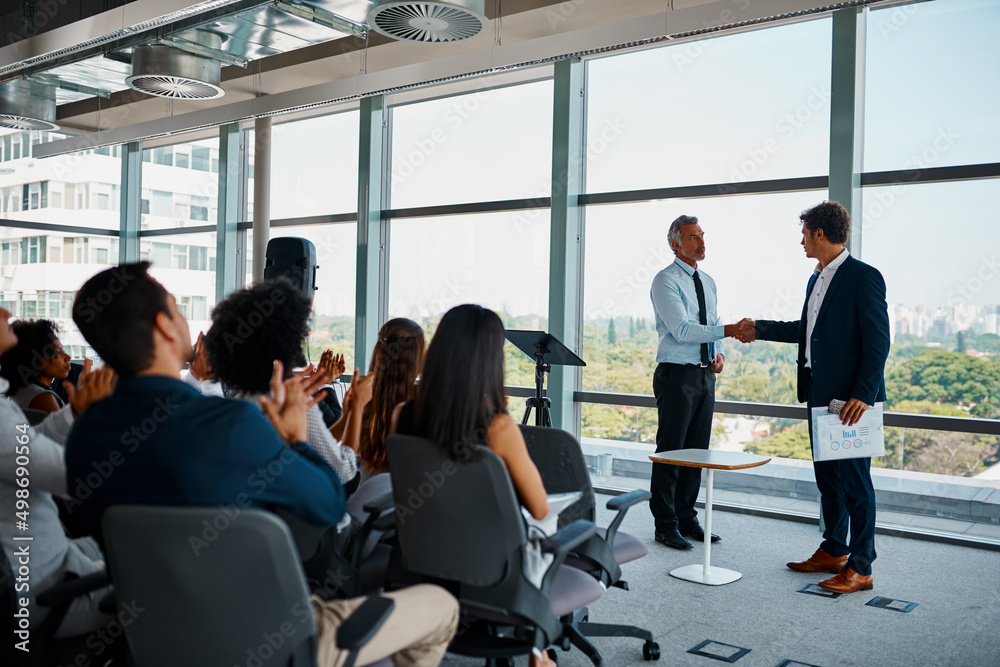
(832, 218)
(396, 362)
(22, 364)
(252, 328)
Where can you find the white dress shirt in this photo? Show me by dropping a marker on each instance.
(820, 287)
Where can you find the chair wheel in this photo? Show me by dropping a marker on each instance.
(651, 651)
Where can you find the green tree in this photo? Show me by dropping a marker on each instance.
(792, 443)
(612, 337)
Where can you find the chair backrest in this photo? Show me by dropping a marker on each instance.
(439, 536)
(209, 586)
(559, 460)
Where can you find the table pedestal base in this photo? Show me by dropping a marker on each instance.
(716, 575)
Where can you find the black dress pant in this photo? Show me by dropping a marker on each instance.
(685, 400)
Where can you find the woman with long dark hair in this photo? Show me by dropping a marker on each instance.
(34, 364)
(460, 402)
(396, 362)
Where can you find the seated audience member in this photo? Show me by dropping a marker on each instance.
(209, 451)
(34, 364)
(396, 362)
(32, 459)
(333, 366)
(460, 402)
(199, 373)
(255, 326)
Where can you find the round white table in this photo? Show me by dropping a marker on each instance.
(711, 460)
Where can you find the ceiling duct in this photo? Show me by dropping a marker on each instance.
(25, 105)
(429, 22)
(168, 71)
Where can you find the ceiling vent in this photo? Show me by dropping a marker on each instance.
(429, 22)
(166, 71)
(27, 106)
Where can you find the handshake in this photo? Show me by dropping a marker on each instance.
(744, 331)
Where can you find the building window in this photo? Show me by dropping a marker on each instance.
(33, 250)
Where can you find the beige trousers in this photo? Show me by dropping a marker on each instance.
(416, 633)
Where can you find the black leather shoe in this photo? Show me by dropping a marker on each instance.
(673, 539)
(697, 533)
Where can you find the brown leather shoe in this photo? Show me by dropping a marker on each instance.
(848, 581)
(820, 561)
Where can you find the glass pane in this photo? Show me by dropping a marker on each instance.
(78, 189)
(742, 107)
(314, 166)
(932, 91)
(490, 145)
(40, 273)
(193, 287)
(333, 303)
(944, 306)
(752, 252)
(171, 187)
(497, 260)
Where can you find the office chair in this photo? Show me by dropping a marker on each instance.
(559, 460)
(209, 590)
(459, 525)
(331, 573)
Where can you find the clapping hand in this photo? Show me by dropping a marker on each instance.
(360, 392)
(200, 367)
(332, 365)
(290, 400)
(90, 387)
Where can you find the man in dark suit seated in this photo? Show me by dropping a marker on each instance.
(158, 441)
(843, 338)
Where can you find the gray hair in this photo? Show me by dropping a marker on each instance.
(674, 233)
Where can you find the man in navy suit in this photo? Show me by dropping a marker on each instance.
(843, 338)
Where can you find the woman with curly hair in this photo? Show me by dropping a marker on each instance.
(34, 364)
(268, 322)
(395, 363)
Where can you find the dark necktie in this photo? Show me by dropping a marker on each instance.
(702, 314)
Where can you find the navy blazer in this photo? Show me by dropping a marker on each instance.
(850, 341)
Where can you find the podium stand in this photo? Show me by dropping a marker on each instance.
(546, 350)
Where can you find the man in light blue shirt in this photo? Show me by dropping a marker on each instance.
(688, 356)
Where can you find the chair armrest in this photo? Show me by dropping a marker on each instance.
(361, 626)
(385, 522)
(60, 594)
(379, 504)
(626, 500)
(621, 504)
(570, 537)
(562, 543)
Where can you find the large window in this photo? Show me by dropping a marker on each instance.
(497, 260)
(185, 264)
(314, 166)
(932, 106)
(489, 145)
(745, 107)
(180, 191)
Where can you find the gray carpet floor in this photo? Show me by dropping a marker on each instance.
(956, 621)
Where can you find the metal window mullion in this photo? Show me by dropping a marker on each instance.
(566, 235)
(129, 210)
(371, 147)
(847, 114)
(228, 208)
